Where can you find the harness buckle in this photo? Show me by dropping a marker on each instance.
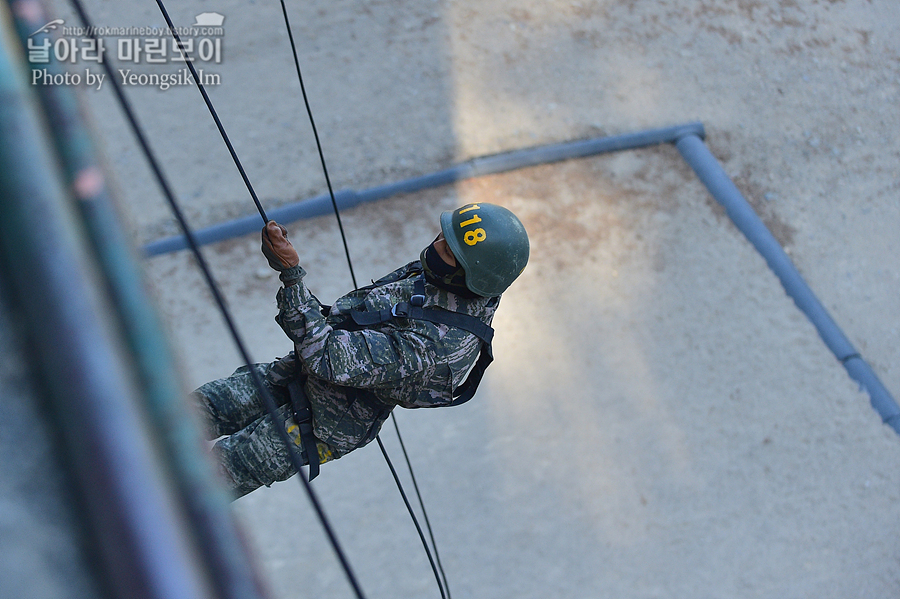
(400, 310)
(302, 414)
(417, 300)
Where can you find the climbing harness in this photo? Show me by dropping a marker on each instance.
(301, 410)
(414, 309)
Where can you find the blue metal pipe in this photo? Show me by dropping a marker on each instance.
(710, 172)
(499, 163)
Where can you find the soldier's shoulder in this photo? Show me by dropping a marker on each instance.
(404, 272)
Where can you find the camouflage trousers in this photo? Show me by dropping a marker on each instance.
(249, 450)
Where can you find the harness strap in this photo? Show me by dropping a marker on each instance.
(302, 413)
(466, 391)
(413, 309)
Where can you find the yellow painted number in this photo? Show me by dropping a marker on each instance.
(473, 237)
(471, 221)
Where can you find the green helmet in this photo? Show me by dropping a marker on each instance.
(490, 244)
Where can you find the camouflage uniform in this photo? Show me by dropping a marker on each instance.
(354, 378)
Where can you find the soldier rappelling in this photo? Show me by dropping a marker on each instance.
(408, 340)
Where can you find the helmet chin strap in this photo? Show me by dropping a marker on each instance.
(443, 275)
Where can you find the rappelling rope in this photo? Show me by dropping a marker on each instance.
(412, 475)
(266, 396)
(312, 122)
(410, 510)
(212, 111)
(441, 577)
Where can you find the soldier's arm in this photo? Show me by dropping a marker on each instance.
(294, 300)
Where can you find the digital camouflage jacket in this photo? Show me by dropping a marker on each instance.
(356, 377)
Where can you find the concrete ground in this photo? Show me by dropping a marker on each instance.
(660, 420)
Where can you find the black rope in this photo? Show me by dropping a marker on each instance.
(412, 514)
(387, 458)
(312, 122)
(412, 475)
(212, 111)
(266, 396)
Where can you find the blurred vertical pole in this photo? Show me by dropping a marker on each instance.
(205, 501)
(137, 531)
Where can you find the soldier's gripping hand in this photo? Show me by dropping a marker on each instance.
(277, 248)
(281, 254)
